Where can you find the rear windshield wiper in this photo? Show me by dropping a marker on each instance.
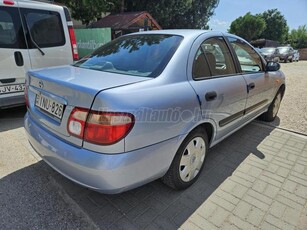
(32, 40)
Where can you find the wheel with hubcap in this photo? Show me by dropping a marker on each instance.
(188, 162)
(271, 114)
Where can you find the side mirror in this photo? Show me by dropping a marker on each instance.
(272, 66)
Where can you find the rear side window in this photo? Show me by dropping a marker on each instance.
(213, 58)
(46, 28)
(249, 59)
(11, 32)
(137, 55)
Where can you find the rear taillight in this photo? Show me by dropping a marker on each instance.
(27, 97)
(8, 2)
(73, 42)
(76, 122)
(103, 128)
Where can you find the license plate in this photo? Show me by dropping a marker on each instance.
(49, 105)
(12, 88)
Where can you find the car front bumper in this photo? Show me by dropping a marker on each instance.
(106, 173)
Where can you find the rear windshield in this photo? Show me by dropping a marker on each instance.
(284, 49)
(137, 55)
(46, 27)
(268, 50)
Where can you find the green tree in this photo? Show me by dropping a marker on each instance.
(176, 13)
(276, 26)
(168, 13)
(87, 10)
(298, 38)
(249, 26)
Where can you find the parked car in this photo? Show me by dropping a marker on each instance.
(148, 105)
(296, 56)
(270, 54)
(286, 53)
(32, 35)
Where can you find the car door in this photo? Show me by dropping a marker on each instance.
(48, 41)
(14, 56)
(259, 84)
(220, 89)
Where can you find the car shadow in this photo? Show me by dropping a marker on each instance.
(274, 123)
(30, 200)
(155, 205)
(12, 118)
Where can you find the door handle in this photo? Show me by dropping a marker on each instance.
(210, 96)
(18, 58)
(251, 85)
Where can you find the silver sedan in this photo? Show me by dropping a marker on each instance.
(148, 105)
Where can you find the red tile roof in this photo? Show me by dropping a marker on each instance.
(123, 20)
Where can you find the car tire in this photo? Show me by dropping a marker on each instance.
(271, 114)
(291, 60)
(188, 161)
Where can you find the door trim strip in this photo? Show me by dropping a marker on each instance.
(241, 113)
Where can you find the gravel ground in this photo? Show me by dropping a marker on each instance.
(293, 110)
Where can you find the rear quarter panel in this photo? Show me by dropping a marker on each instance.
(162, 111)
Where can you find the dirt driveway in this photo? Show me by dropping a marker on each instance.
(293, 111)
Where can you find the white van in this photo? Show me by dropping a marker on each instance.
(32, 35)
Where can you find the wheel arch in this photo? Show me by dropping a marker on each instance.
(282, 89)
(208, 128)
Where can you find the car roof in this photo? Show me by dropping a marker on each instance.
(34, 1)
(39, 3)
(181, 32)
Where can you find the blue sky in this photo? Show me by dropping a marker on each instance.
(295, 11)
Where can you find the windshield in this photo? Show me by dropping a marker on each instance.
(283, 49)
(268, 50)
(144, 55)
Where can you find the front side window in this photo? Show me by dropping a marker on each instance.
(137, 55)
(249, 59)
(11, 32)
(45, 28)
(213, 59)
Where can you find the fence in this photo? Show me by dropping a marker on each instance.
(303, 54)
(90, 39)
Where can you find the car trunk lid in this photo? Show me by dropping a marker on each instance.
(69, 87)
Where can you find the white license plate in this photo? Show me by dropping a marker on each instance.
(12, 88)
(49, 105)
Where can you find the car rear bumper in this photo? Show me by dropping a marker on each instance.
(11, 100)
(107, 173)
(284, 57)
